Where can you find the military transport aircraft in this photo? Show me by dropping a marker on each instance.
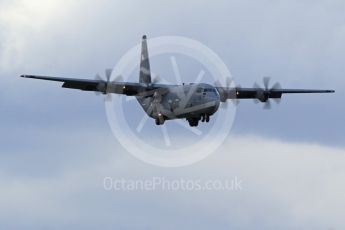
(194, 102)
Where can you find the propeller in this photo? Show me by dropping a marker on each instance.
(263, 94)
(226, 92)
(236, 101)
(156, 79)
(104, 86)
(155, 106)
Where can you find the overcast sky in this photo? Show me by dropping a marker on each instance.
(56, 145)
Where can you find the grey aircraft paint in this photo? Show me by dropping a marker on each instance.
(193, 102)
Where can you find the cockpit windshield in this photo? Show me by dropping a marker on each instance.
(209, 90)
(204, 90)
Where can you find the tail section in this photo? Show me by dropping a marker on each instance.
(145, 72)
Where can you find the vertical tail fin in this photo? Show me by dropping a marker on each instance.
(145, 72)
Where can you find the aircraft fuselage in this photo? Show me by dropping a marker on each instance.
(194, 102)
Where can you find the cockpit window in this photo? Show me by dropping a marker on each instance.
(209, 90)
(199, 90)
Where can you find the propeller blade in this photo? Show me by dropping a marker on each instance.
(266, 90)
(277, 100)
(100, 85)
(103, 85)
(217, 83)
(236, 102)
(118, 79)
(108, 74)
(239, 87)
(98, 77)
(156, 79)
(150, 108)
(108, 97)
(224, 105)
(227, 91)
(266, 81)
(228, 81)
(155, 103)
(256, 85)
(276, 86)
(267, 104)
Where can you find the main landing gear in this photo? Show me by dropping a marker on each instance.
(193, 122)
(205, 117)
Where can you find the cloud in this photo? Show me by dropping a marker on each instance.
(298, 186)
(254, 39)
(21, 21)
(56, 147)
(263, 36)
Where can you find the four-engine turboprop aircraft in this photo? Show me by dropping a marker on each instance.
(193, 102)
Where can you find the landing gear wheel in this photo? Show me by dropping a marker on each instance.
(193, 122)
(159, 121)
(203, 118)
(207, 118)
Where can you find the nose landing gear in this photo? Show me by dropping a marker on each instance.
(160, 120)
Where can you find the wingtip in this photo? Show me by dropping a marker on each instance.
(23, 75)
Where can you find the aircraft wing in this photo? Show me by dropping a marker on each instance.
(260, 93)
(126, 88)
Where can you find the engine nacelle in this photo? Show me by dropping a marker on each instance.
(262, 95)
